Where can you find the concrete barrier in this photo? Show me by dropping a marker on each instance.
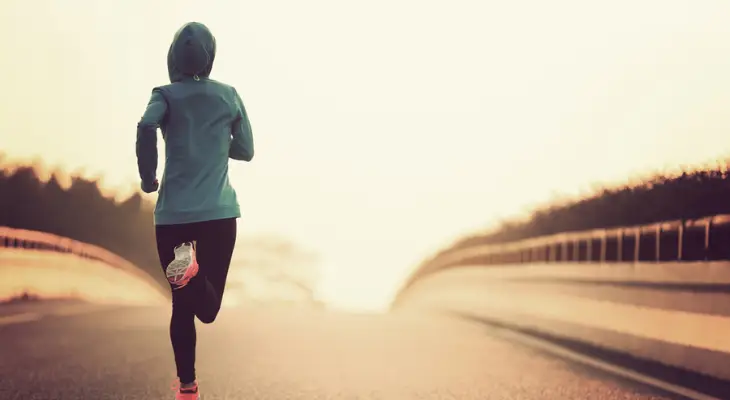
(674, 314)
(46, 242)
(658, 294)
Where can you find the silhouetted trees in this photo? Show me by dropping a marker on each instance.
(82, 213)
(690, 195)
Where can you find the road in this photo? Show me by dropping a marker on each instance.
(104, 352)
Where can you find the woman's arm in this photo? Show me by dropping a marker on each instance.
(242, 138)
(147, 141)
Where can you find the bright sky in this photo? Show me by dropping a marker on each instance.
(384, 129)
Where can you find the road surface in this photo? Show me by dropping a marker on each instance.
(91, 352)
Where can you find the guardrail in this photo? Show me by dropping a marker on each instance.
(654, 297)
(42, 241)
(706, 239)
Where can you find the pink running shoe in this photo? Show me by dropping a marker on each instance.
(191, 393)
(184, 267)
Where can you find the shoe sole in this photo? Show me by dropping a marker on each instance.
(190, 265)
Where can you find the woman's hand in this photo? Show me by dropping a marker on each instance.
(151, 187)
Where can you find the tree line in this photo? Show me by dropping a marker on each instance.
(80, 212)
(689, 195)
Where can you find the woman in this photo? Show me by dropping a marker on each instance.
(203, 123)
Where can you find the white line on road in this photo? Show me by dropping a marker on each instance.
(607, 367)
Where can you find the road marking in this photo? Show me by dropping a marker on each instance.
(605, 366)
(19, 318)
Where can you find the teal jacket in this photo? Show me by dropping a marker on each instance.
(203, 123)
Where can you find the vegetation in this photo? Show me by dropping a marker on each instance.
(80, 212)
(77, 209)
(688, 195)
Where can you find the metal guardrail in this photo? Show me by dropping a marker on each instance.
(705, 239)
(42, 241)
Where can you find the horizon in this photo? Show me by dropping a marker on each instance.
(376, 146)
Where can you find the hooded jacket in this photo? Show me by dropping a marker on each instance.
(203, 123)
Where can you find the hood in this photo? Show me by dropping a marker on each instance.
(191, 53)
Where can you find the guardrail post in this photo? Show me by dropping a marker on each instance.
(669, 234)
(637, 244)
(589, 249)
(719, 238)
(657, 242)
(611, 244)
(568, 249)
(707, 238)
(603, 247)
(680, 234)
(620, 245)
(693, 241)
(647, 248)
(657, 250)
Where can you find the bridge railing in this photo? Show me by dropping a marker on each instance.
(658, 293)
(42, 241)
(706, 239)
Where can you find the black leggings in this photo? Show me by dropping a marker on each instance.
(204, 294)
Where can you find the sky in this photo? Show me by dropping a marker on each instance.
(383, 130)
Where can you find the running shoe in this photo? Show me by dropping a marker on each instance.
(191, 393)
(184, 267)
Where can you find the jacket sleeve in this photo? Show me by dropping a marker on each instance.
(241, 135)
(147, 139)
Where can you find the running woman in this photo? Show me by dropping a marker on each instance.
(203, 123)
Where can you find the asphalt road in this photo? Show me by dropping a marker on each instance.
(66, 351)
